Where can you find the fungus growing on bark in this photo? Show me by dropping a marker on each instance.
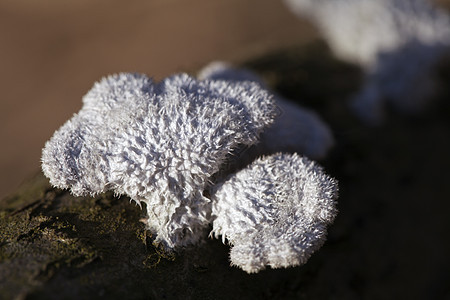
(164, 143)
(158, 143)
(274, 212)
(396, 42)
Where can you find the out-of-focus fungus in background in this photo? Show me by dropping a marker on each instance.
(51, 53)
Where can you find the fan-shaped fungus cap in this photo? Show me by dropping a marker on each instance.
(158, 143)
(274, 212)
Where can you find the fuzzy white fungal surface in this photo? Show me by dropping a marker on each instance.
(157, 142)
(275, 212)
(397, 42)
(163, 143)
(296, 129)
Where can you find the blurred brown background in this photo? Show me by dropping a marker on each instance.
(52, 51)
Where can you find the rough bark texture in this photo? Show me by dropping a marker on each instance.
(390, 239)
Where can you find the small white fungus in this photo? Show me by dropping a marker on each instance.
(164, 144)
(158, 143)
(274, 212)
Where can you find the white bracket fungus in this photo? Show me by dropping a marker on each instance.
(158, 143)
(274, 212)
(163, 143)
(396, 42)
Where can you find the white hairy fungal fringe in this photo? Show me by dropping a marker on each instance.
(296, 129)
(396, 42)
(274, 212)
(158, 143)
